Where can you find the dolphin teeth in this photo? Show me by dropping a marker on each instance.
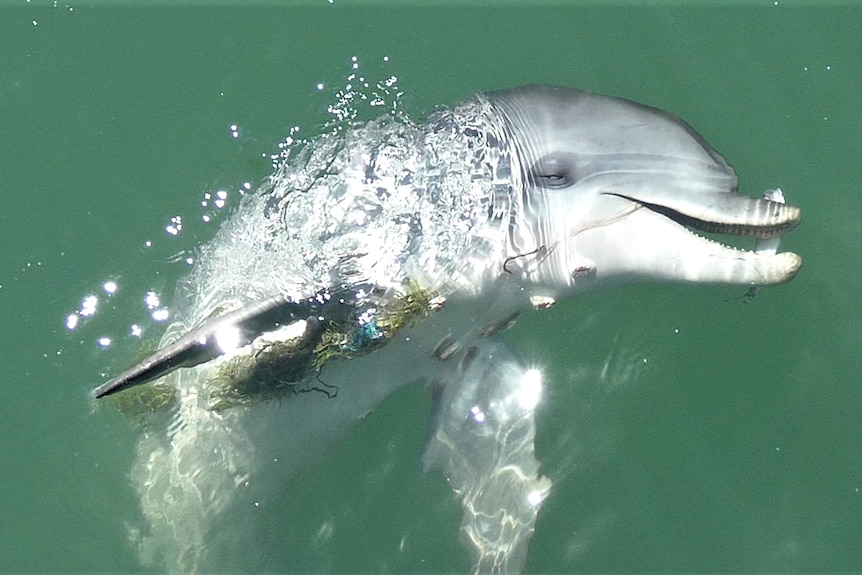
(769, 246)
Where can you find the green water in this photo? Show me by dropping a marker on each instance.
(684, 429)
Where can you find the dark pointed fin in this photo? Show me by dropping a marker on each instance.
(200, 345)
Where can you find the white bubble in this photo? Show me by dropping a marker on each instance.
(478, 414)
(152, 300)
(88, 306)
(175, 226)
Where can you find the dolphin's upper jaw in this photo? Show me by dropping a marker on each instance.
(759, 219)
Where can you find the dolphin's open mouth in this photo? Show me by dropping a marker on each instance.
(666, 234)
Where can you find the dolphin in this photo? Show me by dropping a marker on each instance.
(395, 252)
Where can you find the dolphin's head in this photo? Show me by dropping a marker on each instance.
(612, 190)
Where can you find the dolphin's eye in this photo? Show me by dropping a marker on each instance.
(553, 171)
(553, 180)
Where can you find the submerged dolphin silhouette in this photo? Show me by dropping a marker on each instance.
(394, 253)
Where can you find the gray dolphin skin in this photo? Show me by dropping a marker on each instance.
(394, 252)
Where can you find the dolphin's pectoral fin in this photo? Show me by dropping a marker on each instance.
(482, 438)
(213, 338)
(284, 340)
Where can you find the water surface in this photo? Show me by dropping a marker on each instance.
(683, 428)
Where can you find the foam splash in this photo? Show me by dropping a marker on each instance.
(390, 204)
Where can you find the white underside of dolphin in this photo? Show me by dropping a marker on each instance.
(393, 253)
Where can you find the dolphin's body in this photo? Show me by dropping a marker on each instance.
(394, 253)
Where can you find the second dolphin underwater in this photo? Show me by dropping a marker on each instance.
(393, 253)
